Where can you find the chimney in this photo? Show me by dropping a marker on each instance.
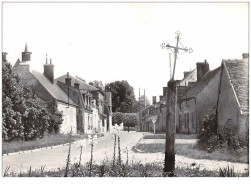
(245, 55)
(186, 73)
(164, 91)
(108, 96)
(49, 70)
(68, 80)
(154, 100)
(76, 85)
(4, 56)
(160, 97)
(202, 69)
(26, 55)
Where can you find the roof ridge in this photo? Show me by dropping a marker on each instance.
(187, 75)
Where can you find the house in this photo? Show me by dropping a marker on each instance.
(92, 115)
(47, 89)
(79, 92)
(233, 102)
(197, 101)
(159, 108)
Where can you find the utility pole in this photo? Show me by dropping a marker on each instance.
(144, 98)
(68, 88)
(169, 165)
(170, 63)
(139, 112)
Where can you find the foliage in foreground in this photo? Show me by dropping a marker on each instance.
(107, 169)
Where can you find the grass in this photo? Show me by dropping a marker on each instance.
(163, 136)
(106, 169)
(193, 151)
(47, 141)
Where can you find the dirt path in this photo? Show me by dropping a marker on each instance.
(185, 162)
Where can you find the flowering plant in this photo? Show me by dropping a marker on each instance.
(92, 139)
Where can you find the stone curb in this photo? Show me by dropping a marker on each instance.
(44, 148)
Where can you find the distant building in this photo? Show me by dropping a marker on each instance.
(91, 116)
(46, 89)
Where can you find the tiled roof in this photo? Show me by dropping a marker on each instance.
(190, 77)
(52, 88)
(202, 83)
(238, 72)
(17, 63)
(82, 84)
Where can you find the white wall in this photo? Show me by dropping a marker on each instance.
(95, 119)
(69, 118)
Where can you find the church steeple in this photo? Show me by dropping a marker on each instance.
(26, 47)
(26, 55)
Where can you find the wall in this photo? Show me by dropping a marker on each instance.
(69, 118)
(228, 108)
(75, 96)
(95, 119)
(186, 117)
(207, 99)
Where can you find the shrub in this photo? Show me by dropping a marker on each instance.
(209, 130)
(210, 139)
(117, 118)
(129, 119)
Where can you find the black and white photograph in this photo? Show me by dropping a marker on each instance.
(125, 89)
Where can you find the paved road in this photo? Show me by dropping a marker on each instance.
(56, 158)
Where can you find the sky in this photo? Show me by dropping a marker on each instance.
(121, 41)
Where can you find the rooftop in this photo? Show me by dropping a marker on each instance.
(52, 88)
(82, 84)
(202, 83)
(238, 72)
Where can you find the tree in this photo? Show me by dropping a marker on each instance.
(25, 116)
(98, 84)
(117, 118)
(11, 104)
(123, 98)
(130, 119)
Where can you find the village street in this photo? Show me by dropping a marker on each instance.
(56, 157)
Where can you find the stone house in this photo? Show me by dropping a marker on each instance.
(47, 89)
(198, 101)
(233, 101)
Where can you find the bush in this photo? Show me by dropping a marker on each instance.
(210, 139)
(128, 119)
(117, 118)
(209, 131)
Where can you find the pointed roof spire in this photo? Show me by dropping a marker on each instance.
(46, 59)
(26, 47)
(50, 61)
